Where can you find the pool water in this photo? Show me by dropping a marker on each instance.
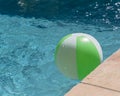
(27, 46)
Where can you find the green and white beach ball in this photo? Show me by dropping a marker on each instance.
(77, 55)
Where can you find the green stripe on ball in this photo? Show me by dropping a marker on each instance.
(87, 56)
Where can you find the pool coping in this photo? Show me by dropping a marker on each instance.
(103, 81)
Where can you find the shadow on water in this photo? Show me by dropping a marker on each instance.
(104, 11)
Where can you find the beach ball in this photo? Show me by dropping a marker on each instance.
(77, 55)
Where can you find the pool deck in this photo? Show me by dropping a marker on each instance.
(103, 81)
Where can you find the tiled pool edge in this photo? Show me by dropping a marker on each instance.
(103, 81)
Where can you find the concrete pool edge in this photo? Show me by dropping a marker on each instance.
(103, 81)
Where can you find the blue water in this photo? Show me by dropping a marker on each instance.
(28, 39)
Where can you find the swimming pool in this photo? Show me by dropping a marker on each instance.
(27, 46)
